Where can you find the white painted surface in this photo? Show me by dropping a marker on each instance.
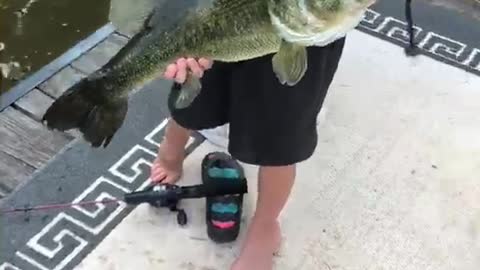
(217, 136)
(370, 197)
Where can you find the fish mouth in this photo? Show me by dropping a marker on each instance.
(317, 31)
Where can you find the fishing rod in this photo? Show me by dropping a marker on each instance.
(157, 195)
(55, 206)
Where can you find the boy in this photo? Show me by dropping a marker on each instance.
(271, 125)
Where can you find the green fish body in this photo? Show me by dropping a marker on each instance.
(221, 30)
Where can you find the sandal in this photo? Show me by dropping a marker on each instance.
(223, 213)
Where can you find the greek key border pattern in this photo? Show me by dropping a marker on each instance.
(70, 233)
(433, 44)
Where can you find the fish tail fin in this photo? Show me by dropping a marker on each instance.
(81, 108)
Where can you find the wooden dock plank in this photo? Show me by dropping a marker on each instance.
(12, 173)
(61, 81)
(118, 39)
(28, 140)
(99, 56)
(35, 104)
(25, 144)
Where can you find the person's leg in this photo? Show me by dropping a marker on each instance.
(264, 234)
(274, 126)
(208, 110)
(168, 165)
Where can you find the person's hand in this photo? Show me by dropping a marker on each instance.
(178, 71)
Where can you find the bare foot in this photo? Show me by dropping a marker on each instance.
(168, 166)
(262, 242)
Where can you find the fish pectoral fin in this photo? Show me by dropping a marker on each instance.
(290, 63)
(129, 17)
(188, 92)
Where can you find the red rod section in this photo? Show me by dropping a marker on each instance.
(57, 206)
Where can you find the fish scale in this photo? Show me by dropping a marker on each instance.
(221, 30)
(221, 33)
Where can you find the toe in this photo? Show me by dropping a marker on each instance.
(154, 168)
(164, 172)
(170, 179)
(158, 175)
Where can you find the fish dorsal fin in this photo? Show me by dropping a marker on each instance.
(129, 16)
(169, 13)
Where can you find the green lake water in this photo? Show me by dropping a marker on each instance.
(36, 32)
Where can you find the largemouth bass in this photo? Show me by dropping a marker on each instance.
(222, 30)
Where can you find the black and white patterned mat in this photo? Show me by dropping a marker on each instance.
(59, 239)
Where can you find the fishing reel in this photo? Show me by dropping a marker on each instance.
(168, 196)
(170, 202)
(160, 196)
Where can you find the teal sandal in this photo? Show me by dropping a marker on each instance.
(223, 213)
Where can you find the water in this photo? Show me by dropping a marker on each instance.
(35, 32)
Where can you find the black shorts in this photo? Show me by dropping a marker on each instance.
(270, 124)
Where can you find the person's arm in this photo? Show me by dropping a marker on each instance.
(178, 71)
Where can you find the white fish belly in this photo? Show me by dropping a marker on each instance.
(346, 20)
